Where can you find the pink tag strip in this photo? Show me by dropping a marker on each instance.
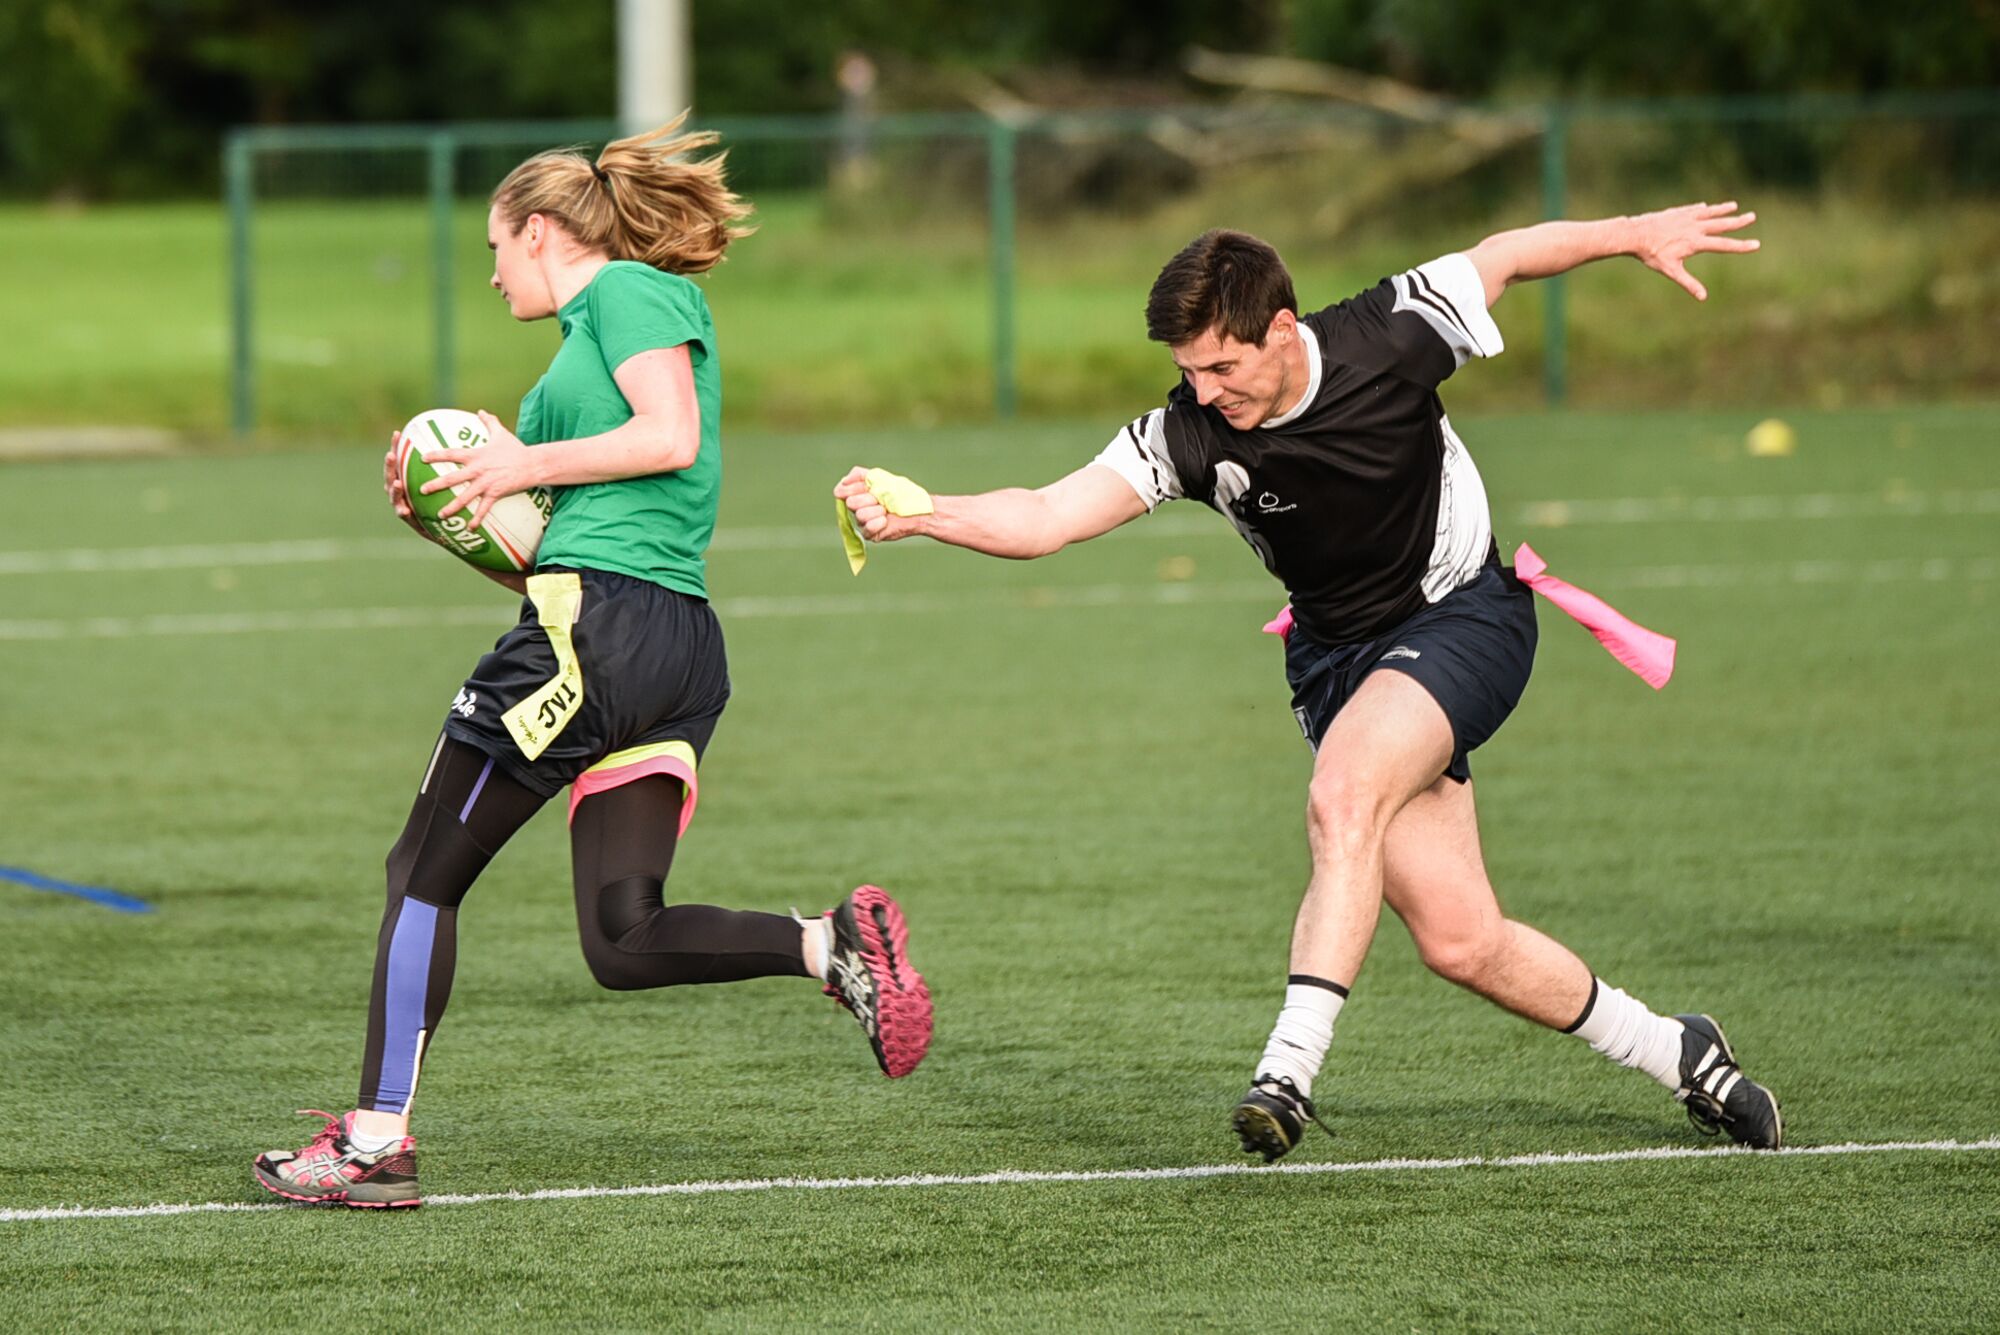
(1646, 652)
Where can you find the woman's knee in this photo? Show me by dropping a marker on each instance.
(621, 911)
(613, 969)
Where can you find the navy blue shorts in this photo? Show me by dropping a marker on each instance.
(1472, 650)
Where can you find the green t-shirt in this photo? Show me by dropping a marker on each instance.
(654, 528)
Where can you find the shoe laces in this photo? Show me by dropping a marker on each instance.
(1704, 1109)
(1283, 1084)
(328, 1134)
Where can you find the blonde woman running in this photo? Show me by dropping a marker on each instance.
(616, 636)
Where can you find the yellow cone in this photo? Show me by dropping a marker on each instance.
(1771, 439)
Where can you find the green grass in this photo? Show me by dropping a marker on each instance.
(828, 319)
(1082, 777)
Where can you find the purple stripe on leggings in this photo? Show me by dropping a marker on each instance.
(403, 1010)
(477, 788)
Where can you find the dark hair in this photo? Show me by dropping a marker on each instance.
(1222, 280)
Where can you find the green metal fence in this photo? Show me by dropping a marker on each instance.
(443, 147)
(866, 218)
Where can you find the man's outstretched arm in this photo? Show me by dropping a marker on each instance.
(1661, 241)
(1014, 522)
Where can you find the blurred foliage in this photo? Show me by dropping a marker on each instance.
(1484, 47)
(127, 98)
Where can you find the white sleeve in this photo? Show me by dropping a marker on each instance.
(1448, 294)
(1138, 453)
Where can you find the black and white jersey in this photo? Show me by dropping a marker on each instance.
(1361, 498)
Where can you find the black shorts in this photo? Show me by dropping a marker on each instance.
(653, 680)
(1472, 650)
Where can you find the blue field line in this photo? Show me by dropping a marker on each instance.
(110, 899)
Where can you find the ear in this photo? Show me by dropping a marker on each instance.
(535, 232)
(1284, 327)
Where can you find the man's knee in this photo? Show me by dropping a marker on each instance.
(1343, 815)
(1461, 952)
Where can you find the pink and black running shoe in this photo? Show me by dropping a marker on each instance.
(869, 972)
(330, 1170)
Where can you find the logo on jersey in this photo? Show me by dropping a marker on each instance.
(464, 703)
(1268, 503)
(1400, 651)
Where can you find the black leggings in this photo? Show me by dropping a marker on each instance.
(622, 845)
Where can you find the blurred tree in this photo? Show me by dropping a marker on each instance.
(106, 97)
(745, 63)
(70, 80)
(131, 96)
(1480, 47)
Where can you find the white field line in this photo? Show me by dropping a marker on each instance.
(1755, 509)
(1534, 514)
(202, 556)
(1016, 1178)
(500, 613)
(496, 616)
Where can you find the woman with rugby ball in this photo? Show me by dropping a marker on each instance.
(613, 680)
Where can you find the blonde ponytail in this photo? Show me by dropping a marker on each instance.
(638, 201)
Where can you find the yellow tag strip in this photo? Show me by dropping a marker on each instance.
(898, 495)
(535, 722)
(680, 751)
(850, 537)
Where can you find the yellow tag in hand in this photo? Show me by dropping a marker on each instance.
(898, 495)
(850, 537)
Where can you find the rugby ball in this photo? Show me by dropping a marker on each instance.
(513, 527)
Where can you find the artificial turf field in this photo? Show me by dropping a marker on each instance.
(1082, 778)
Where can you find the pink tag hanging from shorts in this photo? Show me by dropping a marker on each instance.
(1646, 652)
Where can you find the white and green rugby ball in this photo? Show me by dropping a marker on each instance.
(513, 528)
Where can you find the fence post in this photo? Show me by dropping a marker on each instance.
(443, 170)
(237, 184)
(1000, 208)
(1555, 315)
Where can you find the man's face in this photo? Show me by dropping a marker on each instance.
(1247, 383)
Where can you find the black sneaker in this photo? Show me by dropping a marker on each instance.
(1719, 1097)
(1272, 1117)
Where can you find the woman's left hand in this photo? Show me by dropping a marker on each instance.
(496, 470)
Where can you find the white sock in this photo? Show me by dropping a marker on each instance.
(369, 1144)
(816, 940)
(1624, 1030)
(1304, 1030)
